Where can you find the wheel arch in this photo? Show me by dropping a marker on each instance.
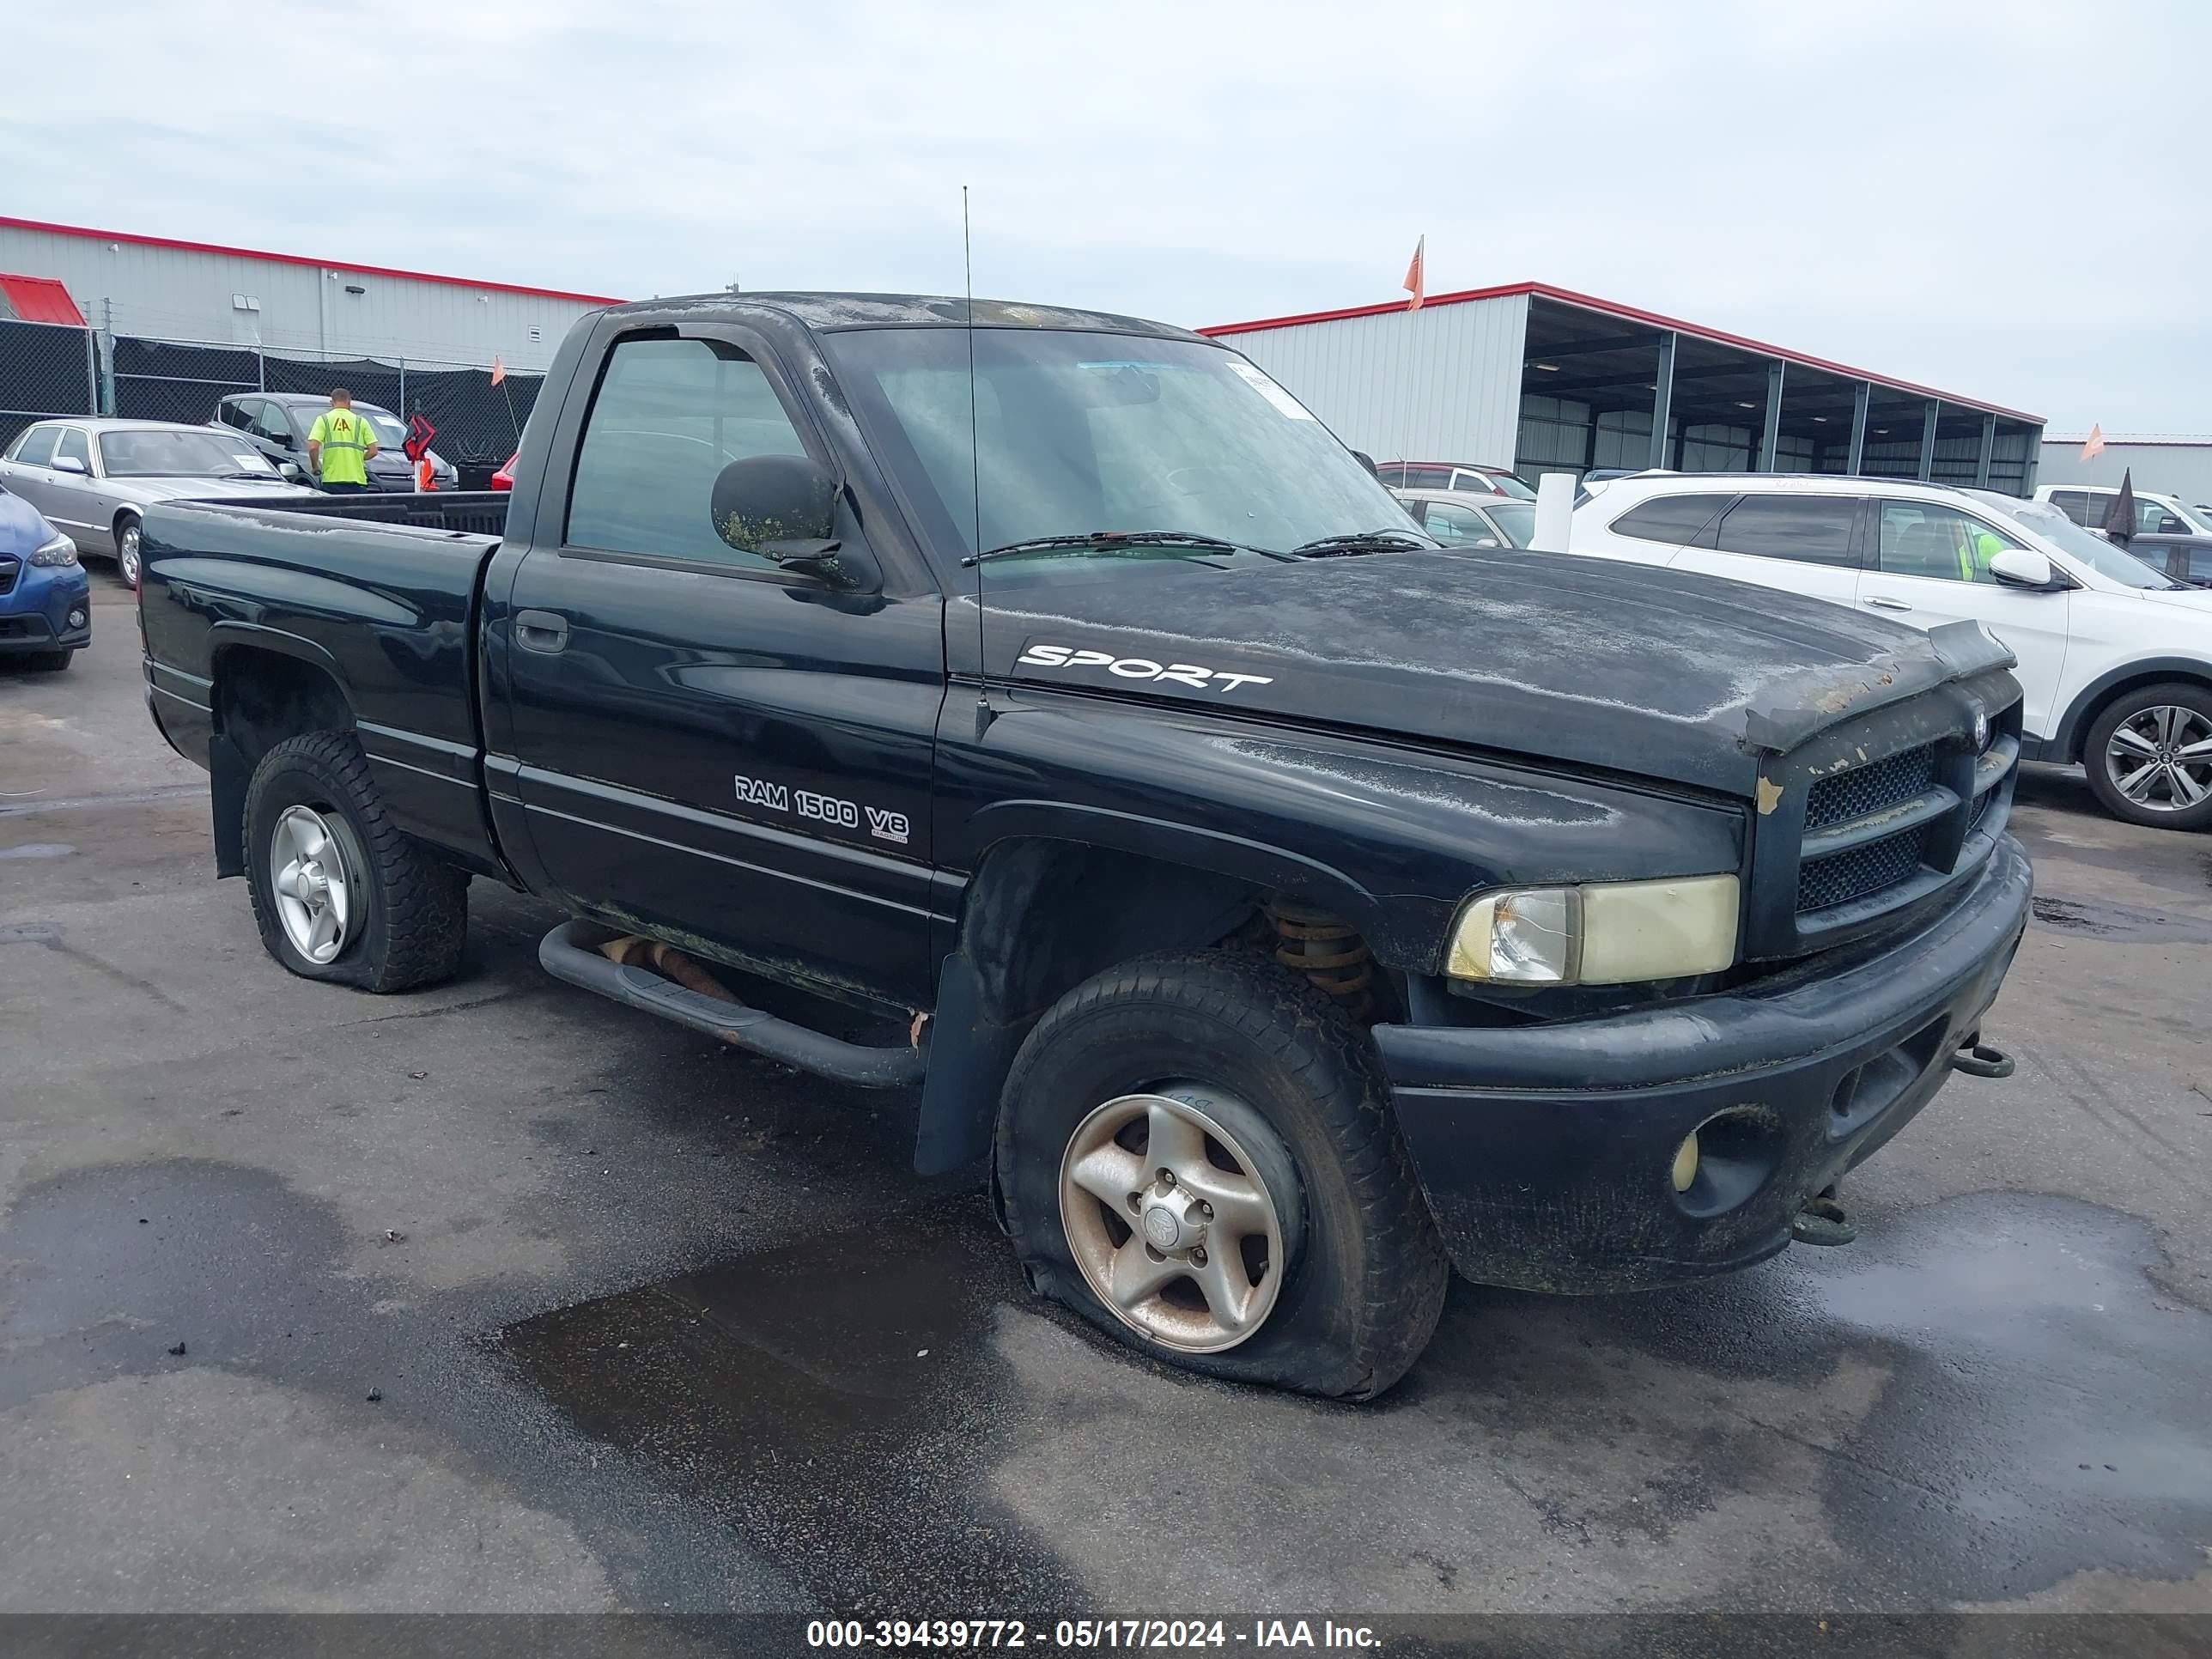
(2066, 741)
(1049, 906)
(266, 686)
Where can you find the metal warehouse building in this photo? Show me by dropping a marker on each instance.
(2169, 465)
(157, 288)
(1544, 381)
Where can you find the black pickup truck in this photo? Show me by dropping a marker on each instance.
(1283, 907)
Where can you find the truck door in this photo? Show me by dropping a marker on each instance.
(701, 741)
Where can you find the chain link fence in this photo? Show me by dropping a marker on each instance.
(48, 370)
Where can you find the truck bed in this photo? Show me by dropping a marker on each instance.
(370, 599)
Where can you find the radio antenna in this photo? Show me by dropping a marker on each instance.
(974, 472)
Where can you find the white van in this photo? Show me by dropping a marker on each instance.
(2115, 658)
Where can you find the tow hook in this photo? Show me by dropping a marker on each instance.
(1979, 1058)
(1822, 1221)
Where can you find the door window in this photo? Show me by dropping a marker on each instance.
(234, 414)
(1423, 477)
(1458, 526)
(1919, 538)
(669, 416)
(269, 421)
(2152, 519)
(1678, 520)
(2073, 503)
(74, 447)
(36, 446)
(2200, 564)
(1809, 529)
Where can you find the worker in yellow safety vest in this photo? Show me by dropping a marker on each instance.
(339, 446)
(1975, 552)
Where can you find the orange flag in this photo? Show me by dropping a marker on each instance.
(1413, 283)
(2095, 447)
(498, 370)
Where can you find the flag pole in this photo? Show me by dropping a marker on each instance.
(1416, 285)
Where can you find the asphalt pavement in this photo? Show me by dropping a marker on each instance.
(498, 1298)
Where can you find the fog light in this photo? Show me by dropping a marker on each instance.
(1686, 1161)
(76, 619)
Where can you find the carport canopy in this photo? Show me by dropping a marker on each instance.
(1598, 379)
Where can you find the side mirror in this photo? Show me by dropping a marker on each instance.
(783, 507)
(1486, 541)
(2016, 566)
(70, 464)
(1367, 461)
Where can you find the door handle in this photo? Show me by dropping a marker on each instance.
(544, 631)
(1888, 605)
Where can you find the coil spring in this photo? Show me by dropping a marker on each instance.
(1327, 952)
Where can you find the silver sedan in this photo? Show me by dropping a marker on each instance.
(94, 479)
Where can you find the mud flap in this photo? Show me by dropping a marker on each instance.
(227, 776)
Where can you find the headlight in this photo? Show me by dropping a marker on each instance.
(60, 550)
(1610, 933)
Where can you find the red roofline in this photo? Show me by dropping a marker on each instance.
(301, 259)
(1611, 308)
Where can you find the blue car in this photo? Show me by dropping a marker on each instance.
(45, 599)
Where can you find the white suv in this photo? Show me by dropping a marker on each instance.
(2115, 660)
(2090, 505)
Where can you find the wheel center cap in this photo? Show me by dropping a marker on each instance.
(1162, 1230)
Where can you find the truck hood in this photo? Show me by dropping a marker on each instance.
(1655, 673)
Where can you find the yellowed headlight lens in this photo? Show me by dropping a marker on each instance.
(1615, 932)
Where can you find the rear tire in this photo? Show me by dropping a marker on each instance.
(328, 872)
(1301, 1111)
(2138, 733)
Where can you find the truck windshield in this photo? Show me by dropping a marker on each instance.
(1081, 433)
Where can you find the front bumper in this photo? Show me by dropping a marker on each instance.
(1546, 1151)
(47, 611)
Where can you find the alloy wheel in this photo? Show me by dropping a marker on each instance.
(318, 883)
(1171, 1219)
(2159, 758)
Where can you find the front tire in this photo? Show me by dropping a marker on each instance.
(338, 892)
(2148, 757)
(130, 560)
(1196, 1153)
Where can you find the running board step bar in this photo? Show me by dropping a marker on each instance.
(567, 954)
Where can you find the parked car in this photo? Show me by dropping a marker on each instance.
(2115, 658)
(2185, 559)
(45, 599)
(1461, 477)
(1281, 914)
(2091, 506)
(504, 478)
(1457, 521)
(95, 477)
(277, 424)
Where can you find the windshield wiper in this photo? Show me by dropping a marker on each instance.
(255, 477)
(1110, 541)
(1360, 541)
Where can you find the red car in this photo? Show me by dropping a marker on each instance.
(504, 478)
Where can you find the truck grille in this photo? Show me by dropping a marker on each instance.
(1869, 788)
(1898, 821)
(1842, 876)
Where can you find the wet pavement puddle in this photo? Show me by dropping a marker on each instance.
(888, 1412)
(2120, 923)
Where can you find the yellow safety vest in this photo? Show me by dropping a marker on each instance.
(344, 437)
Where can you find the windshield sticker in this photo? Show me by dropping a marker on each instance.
(251, 462)
(1267, 389)
(1140, 668)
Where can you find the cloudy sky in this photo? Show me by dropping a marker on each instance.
(2010, 201)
